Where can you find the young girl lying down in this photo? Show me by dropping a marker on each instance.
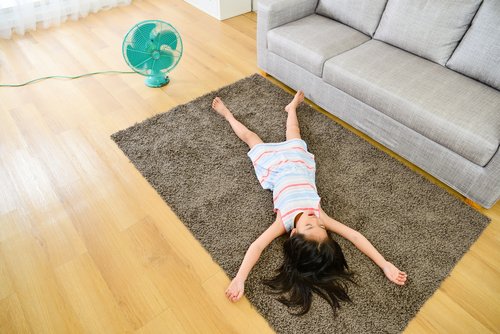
(313, 261)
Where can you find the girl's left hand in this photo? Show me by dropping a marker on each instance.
(394, 274)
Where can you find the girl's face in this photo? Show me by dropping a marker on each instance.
(310, 226)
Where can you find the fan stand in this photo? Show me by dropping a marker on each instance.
(156, 81)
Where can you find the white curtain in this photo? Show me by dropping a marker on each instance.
(18, 16)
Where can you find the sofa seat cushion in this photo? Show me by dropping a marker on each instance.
(310, 41)
(478, 54)
(453, 110)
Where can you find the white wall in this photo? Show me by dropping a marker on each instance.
(221, 9)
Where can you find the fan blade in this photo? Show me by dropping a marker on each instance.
(166, 38)
(138, 59)
(164, 62)
(141, 39)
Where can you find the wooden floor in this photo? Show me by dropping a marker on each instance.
(86, 244)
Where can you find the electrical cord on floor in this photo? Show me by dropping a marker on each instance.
(65, 77)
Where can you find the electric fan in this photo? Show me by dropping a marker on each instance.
(152, 48)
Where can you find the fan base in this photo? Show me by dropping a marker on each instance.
(156, 81)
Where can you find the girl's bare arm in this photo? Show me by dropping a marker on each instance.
(365, 246)
(256, 248)
(235, 290)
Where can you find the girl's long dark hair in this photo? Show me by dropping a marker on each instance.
(311, 266)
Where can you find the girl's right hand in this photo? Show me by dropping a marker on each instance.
(235, 290)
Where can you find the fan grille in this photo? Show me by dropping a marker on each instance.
(152, 48)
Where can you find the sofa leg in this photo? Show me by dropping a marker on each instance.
(472, 203)
(263, 73)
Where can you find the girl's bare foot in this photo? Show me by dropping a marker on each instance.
(297, 99)
(219, 106)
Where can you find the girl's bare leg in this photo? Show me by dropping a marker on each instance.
(241, 131)
(292, 124)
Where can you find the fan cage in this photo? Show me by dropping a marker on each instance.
(160, 26)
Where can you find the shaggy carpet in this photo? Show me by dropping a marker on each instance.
(193, 159)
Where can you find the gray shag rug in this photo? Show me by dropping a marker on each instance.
(193, 159)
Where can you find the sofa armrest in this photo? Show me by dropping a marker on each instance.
(274, 13)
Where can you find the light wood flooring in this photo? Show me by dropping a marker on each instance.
(86, 244)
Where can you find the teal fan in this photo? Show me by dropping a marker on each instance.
(153, 48)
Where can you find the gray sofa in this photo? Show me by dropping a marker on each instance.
(420, 77)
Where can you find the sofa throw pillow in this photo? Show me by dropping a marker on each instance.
(428, 28)
(478, 54)
(362, 15)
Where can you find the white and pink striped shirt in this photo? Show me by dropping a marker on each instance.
(288, 169)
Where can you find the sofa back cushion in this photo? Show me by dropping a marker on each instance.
(478, 54)
(428, 28)
(362, 15)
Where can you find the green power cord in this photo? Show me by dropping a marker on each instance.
(65, 77)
